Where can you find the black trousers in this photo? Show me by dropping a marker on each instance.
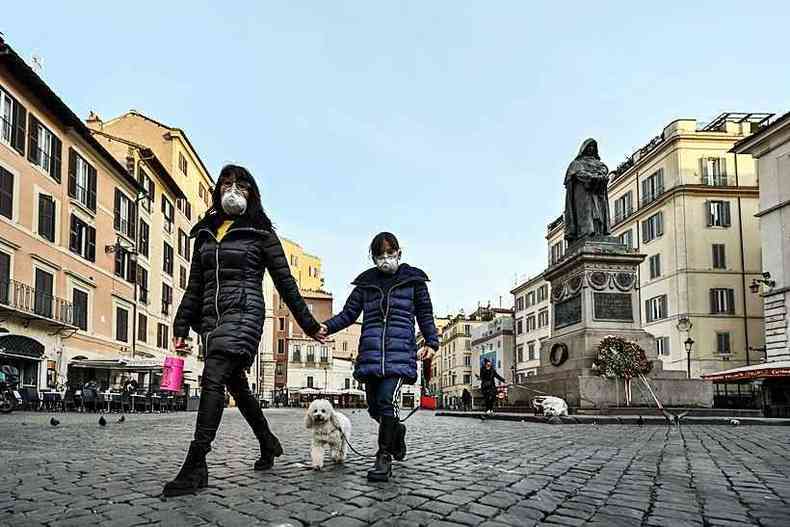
(222, 371)
(490, 399)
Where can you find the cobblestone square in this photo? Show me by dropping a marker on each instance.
(459, 472)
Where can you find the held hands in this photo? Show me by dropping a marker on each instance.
(180, 343)
(322, 334)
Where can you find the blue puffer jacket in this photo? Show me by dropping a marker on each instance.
(389, 303)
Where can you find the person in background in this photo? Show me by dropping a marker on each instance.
(488, 376)
(466, 398)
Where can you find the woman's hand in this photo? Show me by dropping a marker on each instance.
(179, 343)
(322, 334)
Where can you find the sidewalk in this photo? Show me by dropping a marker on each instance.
(650, 418)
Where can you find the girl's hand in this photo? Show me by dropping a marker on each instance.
(322, 334)
(179, 343)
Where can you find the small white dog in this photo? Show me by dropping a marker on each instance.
(329, 427)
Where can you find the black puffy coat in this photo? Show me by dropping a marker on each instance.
(487, 380)
(224, 298)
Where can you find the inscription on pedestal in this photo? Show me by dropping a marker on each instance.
(613, 306)
(568, 312)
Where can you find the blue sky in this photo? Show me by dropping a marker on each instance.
(448, 123)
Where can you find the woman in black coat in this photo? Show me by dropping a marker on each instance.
(234, 244)
(488, 376)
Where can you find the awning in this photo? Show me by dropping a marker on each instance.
(353, 391)
(139, 365)
(21, 347)
(766, 370)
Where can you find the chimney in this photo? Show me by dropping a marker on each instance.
(94, 122)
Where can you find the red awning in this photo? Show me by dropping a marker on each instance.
(767, 370)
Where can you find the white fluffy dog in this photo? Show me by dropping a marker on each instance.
(327, 425)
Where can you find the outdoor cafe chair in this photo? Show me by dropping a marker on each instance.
(30, 399)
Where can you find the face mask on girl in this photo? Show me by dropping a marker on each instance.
(233, 201)
(388, 263)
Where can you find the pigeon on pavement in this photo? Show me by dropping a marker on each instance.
(102, 421)
(122, 419)
(53, 421)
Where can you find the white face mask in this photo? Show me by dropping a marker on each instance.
(388, 264)
(233, 201)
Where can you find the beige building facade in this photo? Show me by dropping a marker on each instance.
(689, 205)
(532, 324)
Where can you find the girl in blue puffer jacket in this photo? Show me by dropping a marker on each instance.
(389, 296)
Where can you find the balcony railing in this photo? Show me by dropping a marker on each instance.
(622, 215)
(26, 299)
(310, 359)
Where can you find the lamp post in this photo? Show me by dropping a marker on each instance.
(689, 343)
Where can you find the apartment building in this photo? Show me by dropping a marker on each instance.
(532, 324)
(493, 340)
(176, 194)
(689, 204)
(65, 204)
(435, 375)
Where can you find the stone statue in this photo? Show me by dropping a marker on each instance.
(586, 195)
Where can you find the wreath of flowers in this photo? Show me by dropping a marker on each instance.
(617, 357)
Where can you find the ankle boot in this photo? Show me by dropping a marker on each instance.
(382, 468)
(270, 449)
(192, 476)
(399, 442)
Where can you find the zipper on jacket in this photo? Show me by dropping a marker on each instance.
(386, 311)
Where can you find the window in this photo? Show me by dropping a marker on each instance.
(162, 336)
(655, 266)
(656, 308)
(167, 299)
(144, 239)
(125, 219)
(44, 149)
(543, 318)
(6, 193)
(142, 284)
(82, 181)
(148, 188)
(142, 327)
(297, 354)
(13, 118)
(627, 239)
(184, 206)
(723, 345)
(467, 378)
(722, 301)
(182, 163)
(182, 277)
(121, 324)
(282, 323)
(714, 171)
(80, 300)
(310, 354)
(167, 261)
(467, 330)
(169, 213)
(653, 227)
(309, 381)
(531, 351)
(201, 191)
(719, 256)
(543, 293)
(556, 252)
(183, 245)
(520, 353)
(520, 303)
(530, 323)
(519, 327)
(324, 354)
(348, 384)
(5, 277)
(124, 265)
(46, 217)
(662, 346)
(43, 295)
(652, 187)
(530, 299)
(279, 369)
(718, 213)
(468, 361)
(82, 239)
(280, 346)
(623, 207)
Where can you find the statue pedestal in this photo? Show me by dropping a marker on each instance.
(594, 293)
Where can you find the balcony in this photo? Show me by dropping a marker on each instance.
(650, 197)
(310, 359)
(622, 215)
(22, 299)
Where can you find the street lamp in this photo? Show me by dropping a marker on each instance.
(689, 343)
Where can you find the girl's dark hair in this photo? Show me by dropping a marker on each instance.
(254, 213)
(377, 245)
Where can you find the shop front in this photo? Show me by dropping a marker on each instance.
(763, 386)
(25, 354)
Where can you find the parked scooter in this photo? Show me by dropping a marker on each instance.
(10, 397)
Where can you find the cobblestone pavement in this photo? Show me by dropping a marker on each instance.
(458, 472)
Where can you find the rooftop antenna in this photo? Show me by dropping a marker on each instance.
(38, 64)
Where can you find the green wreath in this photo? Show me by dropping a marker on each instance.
(617, 357)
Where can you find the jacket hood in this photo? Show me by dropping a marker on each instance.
(213, 220)
(406, 273)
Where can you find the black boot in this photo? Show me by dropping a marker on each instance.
(382, 468)
(399, 442)
(192, 476)
(270, 449)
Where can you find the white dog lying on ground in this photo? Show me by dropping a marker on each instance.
(329, 427)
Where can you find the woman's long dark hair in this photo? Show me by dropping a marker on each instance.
(254, 213)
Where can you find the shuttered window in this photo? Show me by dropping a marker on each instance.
(653, 227)
(167, 299)
(719, 256)
(82, 239)
(121, 324)
(717, 213)
(46, 217)
(653, 187)
(167, 261)
(144, 239)
(13, 122)
(723, 345)
(125, 217)
(656, 308)
(722, 301)
(82, 181)
(80, 299)
(142, 327)
(714, 171)
(44, 148)
(5, 277)
(6, 193)
(43, 296)
(655, 266)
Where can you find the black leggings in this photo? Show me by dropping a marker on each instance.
(490, 399)
(221, 371)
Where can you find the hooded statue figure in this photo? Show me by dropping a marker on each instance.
(586, 195)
